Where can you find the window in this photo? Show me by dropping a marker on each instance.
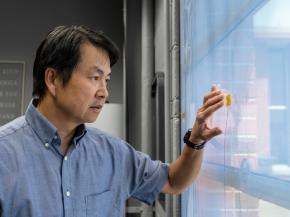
(244, 48)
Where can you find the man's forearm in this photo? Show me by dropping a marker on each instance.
(183, 170)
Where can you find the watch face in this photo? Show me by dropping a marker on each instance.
(186, 137)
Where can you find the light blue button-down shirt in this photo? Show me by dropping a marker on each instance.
(94, 178)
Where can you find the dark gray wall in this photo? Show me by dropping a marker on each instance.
(23, 24)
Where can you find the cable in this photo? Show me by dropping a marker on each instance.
(228, 104)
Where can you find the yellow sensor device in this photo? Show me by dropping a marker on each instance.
(228, 100)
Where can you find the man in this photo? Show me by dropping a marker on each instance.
(52, 165)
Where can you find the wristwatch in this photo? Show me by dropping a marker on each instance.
(190, 144)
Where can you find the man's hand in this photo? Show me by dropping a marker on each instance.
(186, 167)
(202, 130)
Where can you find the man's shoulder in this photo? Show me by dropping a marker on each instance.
(11, 128)
(11, 135)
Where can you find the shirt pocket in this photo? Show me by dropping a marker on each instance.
(101, 205)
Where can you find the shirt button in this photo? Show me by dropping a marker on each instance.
(65, 158)
(46, 145)
(67, 193)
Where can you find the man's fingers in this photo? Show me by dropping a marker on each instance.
(211, 95)
(214, 100)
(211, 106)
(208, 111)
(213, 88)
(212, 133)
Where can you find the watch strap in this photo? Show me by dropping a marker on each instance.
(190, 144)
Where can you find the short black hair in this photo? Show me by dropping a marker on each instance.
(61, 50)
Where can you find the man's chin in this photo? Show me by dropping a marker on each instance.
(92, 119)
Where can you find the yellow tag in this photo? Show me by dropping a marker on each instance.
(228, 100)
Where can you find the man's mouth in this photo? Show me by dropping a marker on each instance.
(97, 108)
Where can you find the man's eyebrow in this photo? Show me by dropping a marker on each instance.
(100, 71)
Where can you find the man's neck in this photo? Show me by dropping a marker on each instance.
(65, 128)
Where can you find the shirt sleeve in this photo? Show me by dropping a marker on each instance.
(143, 177)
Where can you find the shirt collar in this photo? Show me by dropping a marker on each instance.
(44, 128)
(80, 132)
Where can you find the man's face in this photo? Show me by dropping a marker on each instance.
(83, 97)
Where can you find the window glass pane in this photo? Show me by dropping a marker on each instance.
(244, 48)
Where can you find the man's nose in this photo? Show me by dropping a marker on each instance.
(102, 91)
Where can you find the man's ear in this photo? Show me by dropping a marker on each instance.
(51, 80)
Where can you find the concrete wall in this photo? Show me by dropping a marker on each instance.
(23, 24)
